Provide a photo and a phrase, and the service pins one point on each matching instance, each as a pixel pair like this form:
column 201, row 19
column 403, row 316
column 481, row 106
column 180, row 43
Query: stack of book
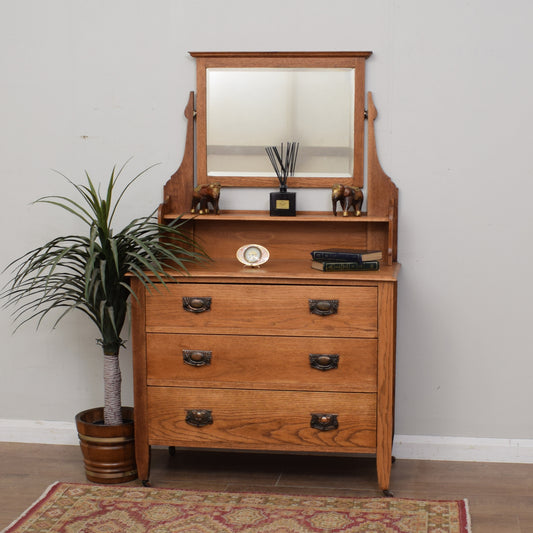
column 335, row 259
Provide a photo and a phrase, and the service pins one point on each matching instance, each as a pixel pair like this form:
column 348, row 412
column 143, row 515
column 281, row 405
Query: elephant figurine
column 337, row 195
column 203, row 195
column 347, row 197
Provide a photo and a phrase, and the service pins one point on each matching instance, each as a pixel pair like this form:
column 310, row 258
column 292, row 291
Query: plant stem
column 112, row 391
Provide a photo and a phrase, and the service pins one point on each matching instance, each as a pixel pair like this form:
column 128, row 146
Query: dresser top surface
column 284, row 271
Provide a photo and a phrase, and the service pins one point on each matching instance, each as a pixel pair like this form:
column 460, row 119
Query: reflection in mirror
column 251, row 108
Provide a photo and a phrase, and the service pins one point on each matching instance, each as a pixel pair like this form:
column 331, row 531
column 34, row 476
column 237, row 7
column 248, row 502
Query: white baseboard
column 405, row 446
column 38, row 431
column 463, row 449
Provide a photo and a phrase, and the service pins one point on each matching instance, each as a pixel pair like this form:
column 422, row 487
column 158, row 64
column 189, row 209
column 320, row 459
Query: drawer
column 298, row 363
column 262, row 420
column 264, row 310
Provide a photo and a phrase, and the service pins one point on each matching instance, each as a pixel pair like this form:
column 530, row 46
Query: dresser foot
column 393, row 459
column 388, row 494
column 146, row 483
column 172, row 450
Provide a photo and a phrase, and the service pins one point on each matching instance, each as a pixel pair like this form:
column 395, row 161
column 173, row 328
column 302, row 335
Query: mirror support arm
column 178, row 189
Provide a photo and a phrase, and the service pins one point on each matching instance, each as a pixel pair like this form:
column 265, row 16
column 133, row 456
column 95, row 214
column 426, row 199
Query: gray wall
column 86, row 85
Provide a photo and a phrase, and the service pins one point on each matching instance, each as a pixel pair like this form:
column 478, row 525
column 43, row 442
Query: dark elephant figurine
column 348, row 197
column 203, row 195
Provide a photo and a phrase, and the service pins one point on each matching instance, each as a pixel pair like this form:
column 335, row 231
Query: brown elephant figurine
column 203, row 195
column 337, row 195
column 348, row 197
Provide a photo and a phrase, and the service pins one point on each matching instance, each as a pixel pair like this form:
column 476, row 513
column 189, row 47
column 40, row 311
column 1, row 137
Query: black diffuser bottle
column 283, row 203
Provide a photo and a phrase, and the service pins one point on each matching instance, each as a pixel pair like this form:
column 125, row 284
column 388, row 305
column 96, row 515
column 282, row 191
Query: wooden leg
column 385, row 400
column 142, row 456
column 383, row 465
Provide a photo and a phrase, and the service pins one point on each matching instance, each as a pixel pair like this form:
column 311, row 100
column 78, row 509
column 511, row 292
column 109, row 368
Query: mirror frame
column 354, row 60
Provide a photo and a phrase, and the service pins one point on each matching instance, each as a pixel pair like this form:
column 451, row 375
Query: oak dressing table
column 282, row 358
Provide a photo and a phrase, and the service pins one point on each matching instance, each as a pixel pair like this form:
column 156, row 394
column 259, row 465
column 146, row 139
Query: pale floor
column 500, row 495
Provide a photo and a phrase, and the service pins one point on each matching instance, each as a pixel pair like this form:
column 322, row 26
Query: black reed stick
column 283, row 162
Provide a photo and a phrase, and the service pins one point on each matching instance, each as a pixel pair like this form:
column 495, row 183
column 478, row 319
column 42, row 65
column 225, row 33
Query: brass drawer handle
column 198, row 417
column 322, row 361
column 196, row 304
column 196, row 357
column 323, row 307
column 324, row 421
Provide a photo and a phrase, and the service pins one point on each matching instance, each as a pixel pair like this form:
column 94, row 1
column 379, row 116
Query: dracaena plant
column 92, row 272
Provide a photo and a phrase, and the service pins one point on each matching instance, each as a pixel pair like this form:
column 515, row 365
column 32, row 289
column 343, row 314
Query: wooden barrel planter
column 108, row 451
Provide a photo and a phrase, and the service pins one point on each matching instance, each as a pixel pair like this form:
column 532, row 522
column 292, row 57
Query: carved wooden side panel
column 382, row 193
column 177, row 192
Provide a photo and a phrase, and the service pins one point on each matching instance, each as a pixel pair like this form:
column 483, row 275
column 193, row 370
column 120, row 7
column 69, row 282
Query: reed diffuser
column 283, row 161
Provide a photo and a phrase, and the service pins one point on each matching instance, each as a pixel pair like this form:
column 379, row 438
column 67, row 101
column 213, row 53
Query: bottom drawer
column 262, row 420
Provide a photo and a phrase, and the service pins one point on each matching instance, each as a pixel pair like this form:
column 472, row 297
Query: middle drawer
column 298, row 363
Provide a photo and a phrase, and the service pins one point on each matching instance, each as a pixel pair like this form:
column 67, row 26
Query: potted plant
column 91, row 273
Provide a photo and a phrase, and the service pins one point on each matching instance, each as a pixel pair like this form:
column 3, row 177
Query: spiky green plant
column 92, row 272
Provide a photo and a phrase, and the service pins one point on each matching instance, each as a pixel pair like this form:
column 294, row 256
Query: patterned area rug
column 70, row 508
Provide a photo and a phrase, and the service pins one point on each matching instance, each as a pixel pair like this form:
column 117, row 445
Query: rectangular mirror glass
column 249, row 109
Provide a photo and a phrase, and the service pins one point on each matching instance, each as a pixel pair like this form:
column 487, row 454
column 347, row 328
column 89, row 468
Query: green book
column 332, row 266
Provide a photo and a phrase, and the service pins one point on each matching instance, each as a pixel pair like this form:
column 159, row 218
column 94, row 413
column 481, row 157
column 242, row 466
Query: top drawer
column 341, row 311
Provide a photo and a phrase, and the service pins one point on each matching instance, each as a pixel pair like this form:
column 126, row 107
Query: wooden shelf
column 263, row 216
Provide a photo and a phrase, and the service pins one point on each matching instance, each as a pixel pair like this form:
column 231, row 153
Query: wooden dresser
column 278, row 358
